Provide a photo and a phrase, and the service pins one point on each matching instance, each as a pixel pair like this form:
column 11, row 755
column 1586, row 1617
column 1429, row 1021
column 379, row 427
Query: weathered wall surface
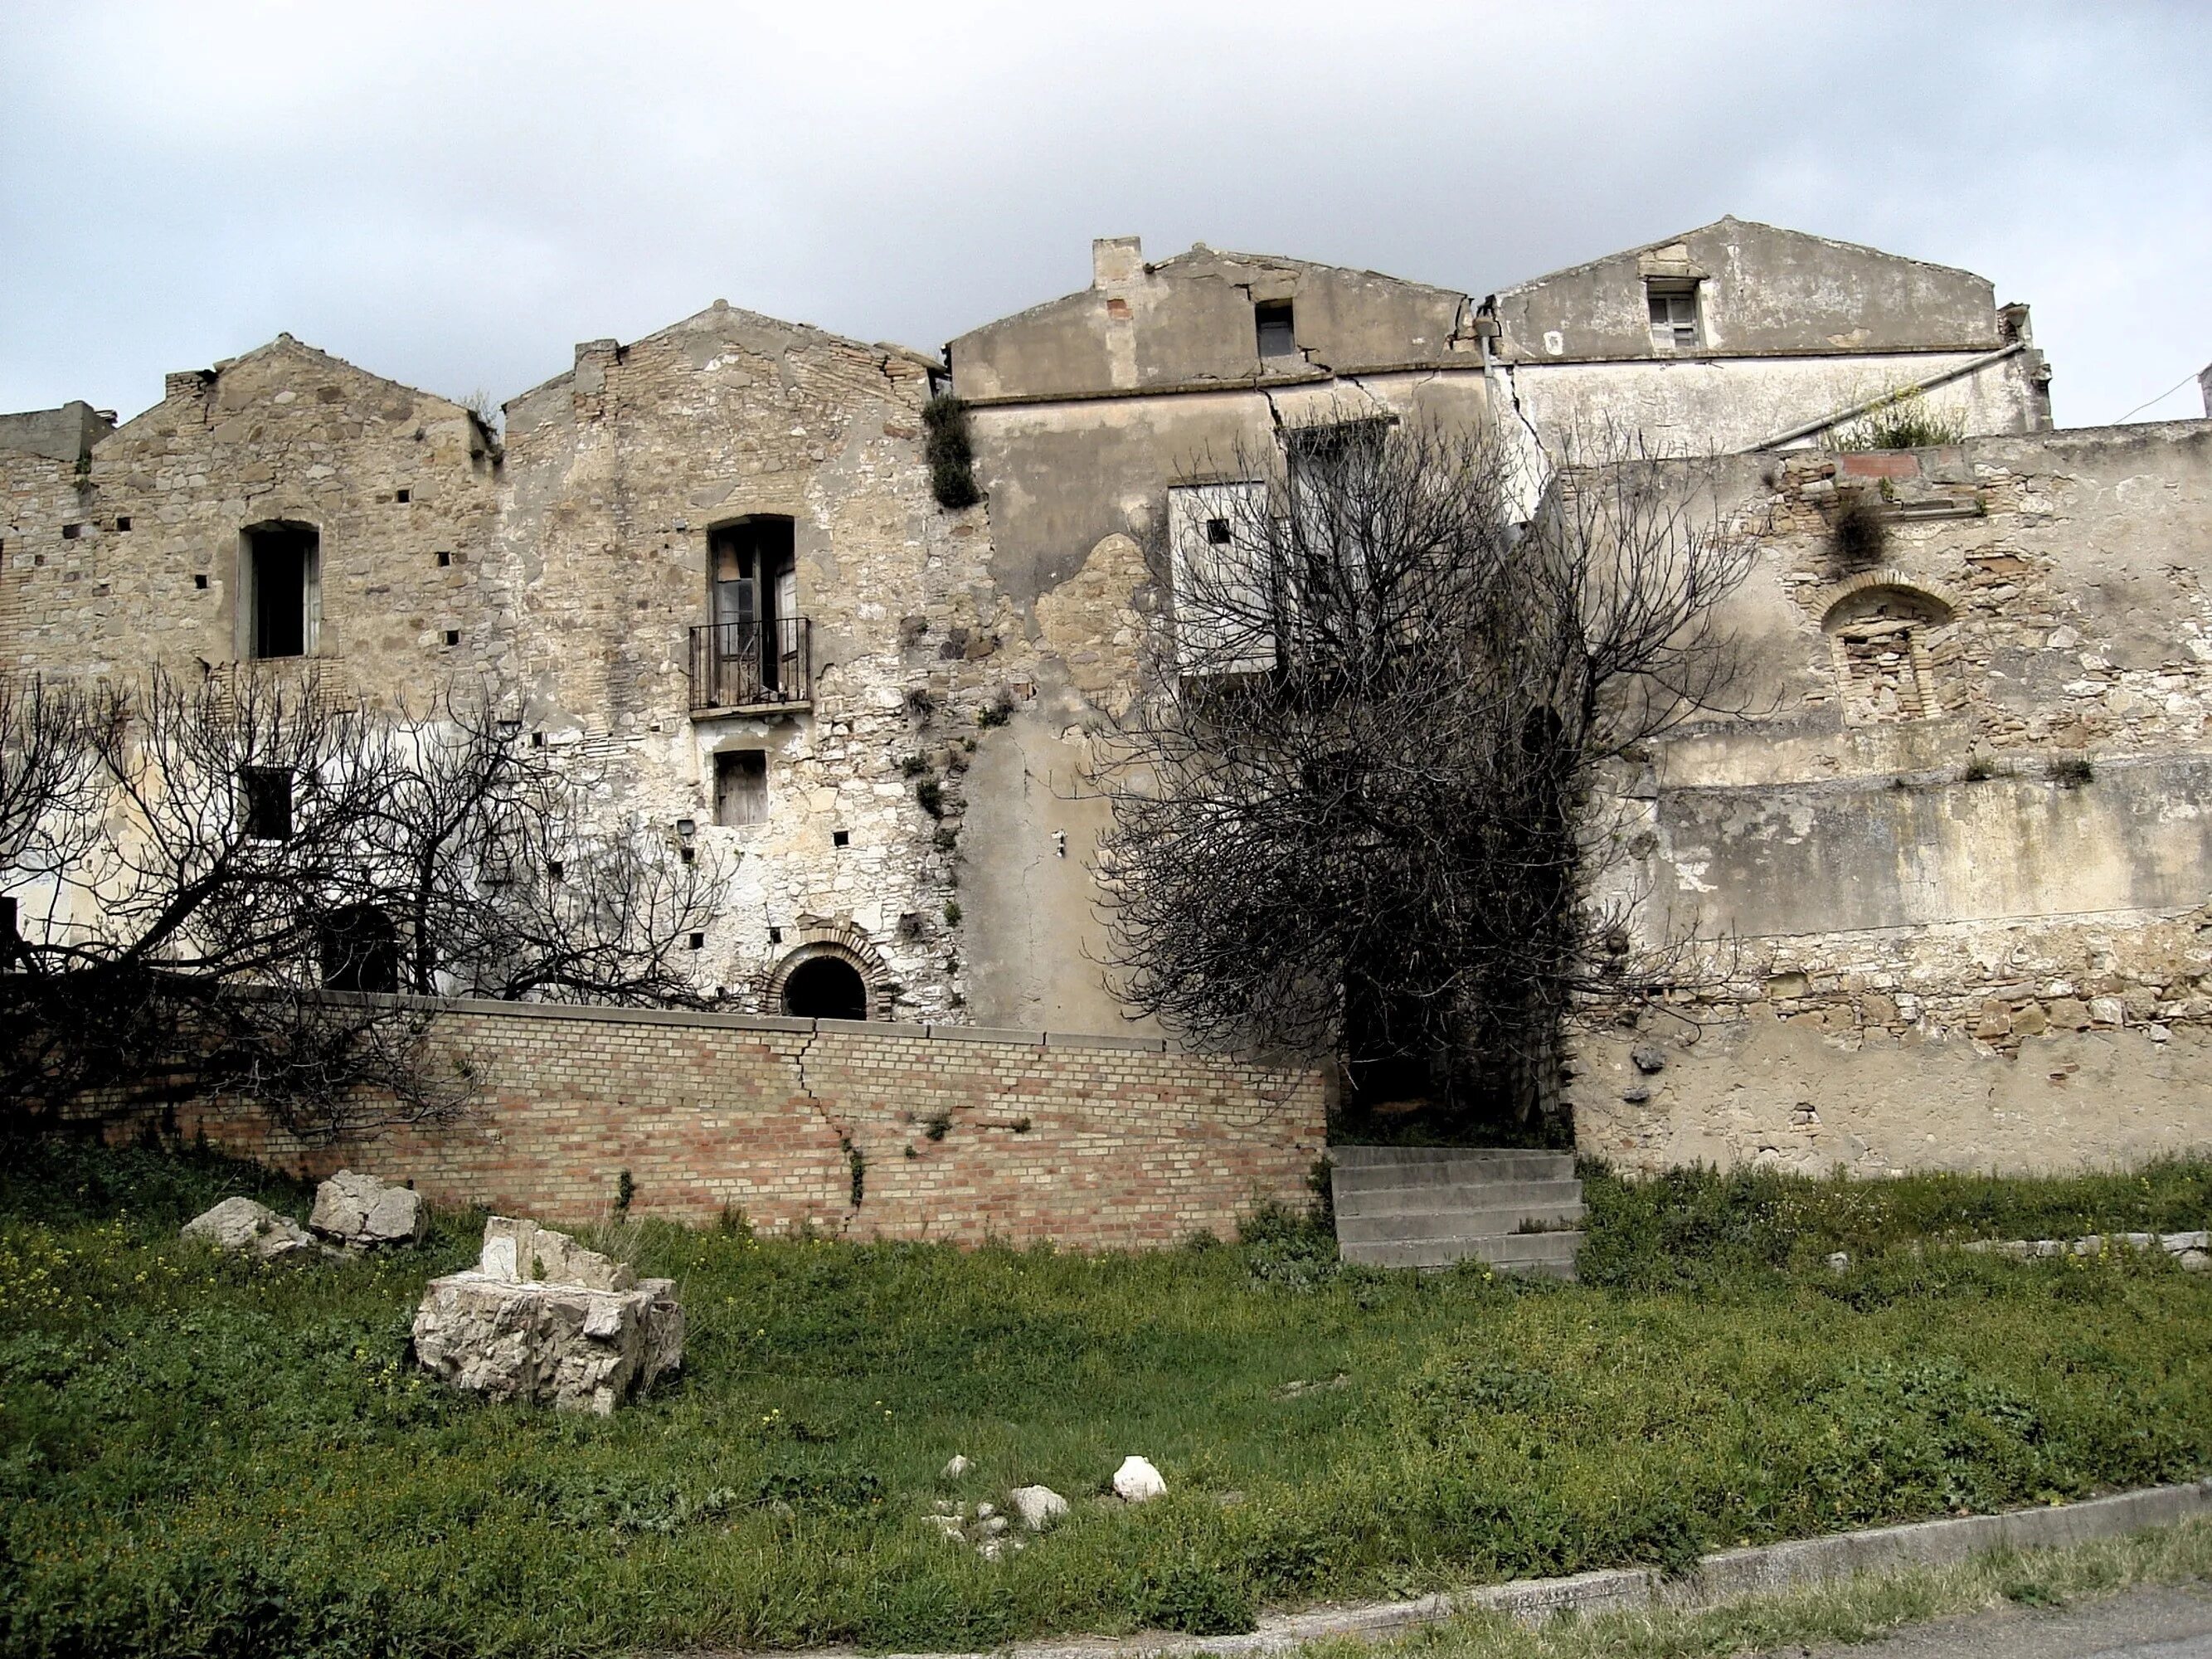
column 135, row 558
column 616, row 474
column 1977, row 914
column 870, row 1131
column 1762, row 289
column 1797, row 1092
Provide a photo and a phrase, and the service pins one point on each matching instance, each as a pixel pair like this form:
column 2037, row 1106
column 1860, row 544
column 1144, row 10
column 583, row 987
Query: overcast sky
column 453, row 194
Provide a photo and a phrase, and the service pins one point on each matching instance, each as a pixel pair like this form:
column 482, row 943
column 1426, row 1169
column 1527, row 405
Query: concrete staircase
column 1430, row 1207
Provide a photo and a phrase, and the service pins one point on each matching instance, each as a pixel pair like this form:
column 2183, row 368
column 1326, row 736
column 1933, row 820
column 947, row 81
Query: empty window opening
column 1217, row 532
column 698, row 941
column 453, row 636
column 776, row 936
column 199, row 579
column 281, row 590
column 359, row 950
column 555, row 869
column 402, row 497
column 754, row 602
column 1278, row 334
column 537, row 739
column 123, row 521
column 840, row 837
column 444, row 560
column 71, row 532
column 265, row 802
column 741, row 787
column 825, row 987
column 1673, row 315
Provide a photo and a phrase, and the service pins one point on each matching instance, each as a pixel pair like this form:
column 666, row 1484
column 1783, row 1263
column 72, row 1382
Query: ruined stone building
column 710, row 562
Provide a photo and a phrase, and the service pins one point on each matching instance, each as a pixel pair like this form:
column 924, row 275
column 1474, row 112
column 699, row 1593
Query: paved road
column 2146, row 1623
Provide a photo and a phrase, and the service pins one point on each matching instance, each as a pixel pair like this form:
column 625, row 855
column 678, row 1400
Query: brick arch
column 1851, row 587
column 848, row 943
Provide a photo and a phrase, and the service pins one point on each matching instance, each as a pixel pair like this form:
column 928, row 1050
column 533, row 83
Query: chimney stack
column 1116, row 261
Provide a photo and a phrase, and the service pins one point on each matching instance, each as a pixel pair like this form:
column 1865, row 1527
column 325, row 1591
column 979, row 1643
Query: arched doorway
column 825, row 987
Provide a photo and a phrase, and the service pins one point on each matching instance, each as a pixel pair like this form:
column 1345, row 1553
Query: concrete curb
column 1720, row 1577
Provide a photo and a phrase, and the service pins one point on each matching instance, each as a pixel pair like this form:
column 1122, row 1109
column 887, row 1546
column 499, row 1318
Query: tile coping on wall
column 1725, row 1577
column 1024, row 1038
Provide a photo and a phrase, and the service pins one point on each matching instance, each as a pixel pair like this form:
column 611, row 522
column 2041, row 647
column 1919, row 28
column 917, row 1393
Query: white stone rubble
column 514, row 1328
column 360, row 1212
column 1038, row 1506
column 251, row 1228
column 1138, row 1482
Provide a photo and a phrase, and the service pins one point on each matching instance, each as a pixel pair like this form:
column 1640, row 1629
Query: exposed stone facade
column 1998, row 897
column 1970, row 815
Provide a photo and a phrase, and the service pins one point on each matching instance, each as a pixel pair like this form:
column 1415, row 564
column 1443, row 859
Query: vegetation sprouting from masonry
column 1362, row 817
column 193, row 867
column 951, row 451
column 202, row 1457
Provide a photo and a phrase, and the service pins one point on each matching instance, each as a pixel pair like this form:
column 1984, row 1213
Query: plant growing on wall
column 1901, row 419
column 1363, row 812
column 951, row 451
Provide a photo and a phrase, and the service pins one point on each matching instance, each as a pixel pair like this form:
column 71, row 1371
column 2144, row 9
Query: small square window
column 265, row 802
column 1278, row 332
column 1217, row 532
column 776, row 936
column 554, row 870
column 402, row 497
column 741, row 787
column 199, row 579
column 123, row 521
column 840, row 837
column 444, row 559
column 1673, row 315
column 453, row 636
column 537, row 739
column 71, row 532
column 698, row 941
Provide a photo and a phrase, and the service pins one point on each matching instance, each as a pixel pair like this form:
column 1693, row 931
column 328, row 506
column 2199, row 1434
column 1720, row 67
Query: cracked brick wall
column 958, row 1134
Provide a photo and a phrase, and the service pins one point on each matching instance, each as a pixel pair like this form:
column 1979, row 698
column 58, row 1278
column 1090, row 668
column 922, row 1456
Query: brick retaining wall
column 1093, row 1141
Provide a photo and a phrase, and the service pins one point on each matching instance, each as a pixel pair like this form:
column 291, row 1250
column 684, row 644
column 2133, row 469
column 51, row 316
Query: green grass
column 1863, row 1609
column 198, row 1455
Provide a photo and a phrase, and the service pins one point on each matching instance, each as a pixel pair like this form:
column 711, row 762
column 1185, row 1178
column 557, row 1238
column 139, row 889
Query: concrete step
column 1454, row 1172
column 1547, row 1255
column 1535, row 1195
column 1413, row 1226
column 1554, row 1165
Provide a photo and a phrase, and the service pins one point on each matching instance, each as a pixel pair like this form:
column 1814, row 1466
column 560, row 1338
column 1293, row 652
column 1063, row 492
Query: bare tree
column 508, row 876
column 222, row 868
column 1363, row 813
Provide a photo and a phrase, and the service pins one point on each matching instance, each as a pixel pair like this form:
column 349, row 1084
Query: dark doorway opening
column 755, row 605
column 825, row 987
column 280, row 561
column 360, row 949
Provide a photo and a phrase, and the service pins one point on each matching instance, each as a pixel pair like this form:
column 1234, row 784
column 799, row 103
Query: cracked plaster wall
column 1975, row 939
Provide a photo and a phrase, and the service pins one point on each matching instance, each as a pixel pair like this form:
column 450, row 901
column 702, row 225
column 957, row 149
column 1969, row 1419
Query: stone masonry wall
column 867, row 1130
column 1977, row 937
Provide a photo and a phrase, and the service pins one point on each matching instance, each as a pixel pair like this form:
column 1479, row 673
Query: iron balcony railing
column 751, row 664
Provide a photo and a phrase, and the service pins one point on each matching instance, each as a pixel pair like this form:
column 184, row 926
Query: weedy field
column 202, row 1457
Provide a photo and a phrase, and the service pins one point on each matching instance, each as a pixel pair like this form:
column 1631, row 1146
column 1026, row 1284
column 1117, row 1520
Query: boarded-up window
column 1673, row 315
column 741, row 787
column 1223, row 609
